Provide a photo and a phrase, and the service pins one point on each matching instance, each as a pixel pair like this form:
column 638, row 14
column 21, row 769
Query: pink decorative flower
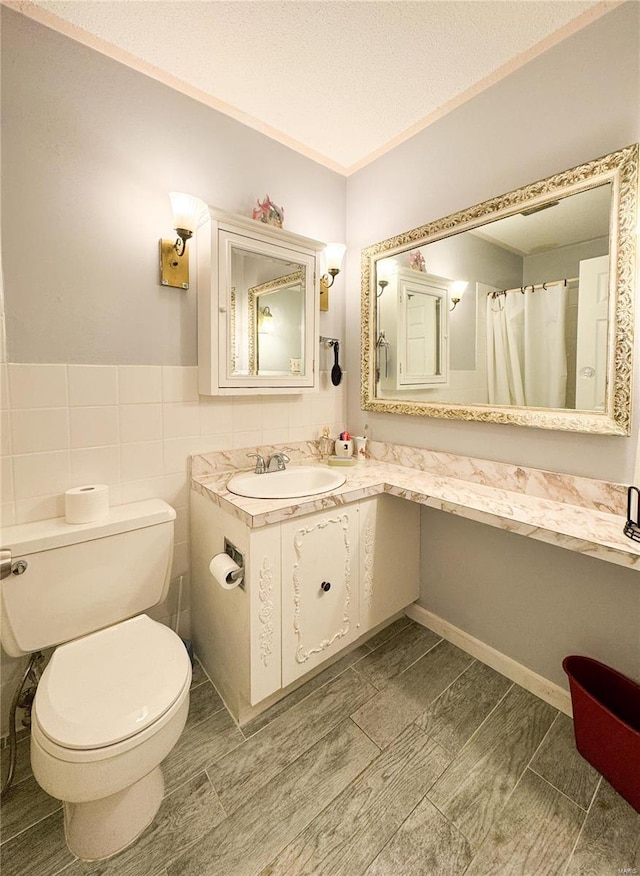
column 266, row 211
column 416, row 261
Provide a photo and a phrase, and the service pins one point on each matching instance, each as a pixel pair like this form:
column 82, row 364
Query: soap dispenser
column 326, row 444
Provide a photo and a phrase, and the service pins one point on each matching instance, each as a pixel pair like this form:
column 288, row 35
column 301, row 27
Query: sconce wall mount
column 174, row 265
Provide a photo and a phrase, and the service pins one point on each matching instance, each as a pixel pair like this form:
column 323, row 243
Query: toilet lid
column 110, row 685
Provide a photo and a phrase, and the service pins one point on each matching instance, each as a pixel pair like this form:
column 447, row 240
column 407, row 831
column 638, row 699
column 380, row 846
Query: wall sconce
column 457, row 290
column 386, row 270
column 334, row 253
column 174, row 261
column 265, row 321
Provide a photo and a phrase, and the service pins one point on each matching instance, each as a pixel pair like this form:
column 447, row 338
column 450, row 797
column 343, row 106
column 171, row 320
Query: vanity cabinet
column 255, row 642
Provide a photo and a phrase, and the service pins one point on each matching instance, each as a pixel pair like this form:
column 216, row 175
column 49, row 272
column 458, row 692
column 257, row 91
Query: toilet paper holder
column 238, row 558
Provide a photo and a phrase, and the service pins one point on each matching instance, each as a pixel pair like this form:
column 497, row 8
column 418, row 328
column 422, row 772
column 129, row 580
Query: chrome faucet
column 277, row 462
column 261, row 465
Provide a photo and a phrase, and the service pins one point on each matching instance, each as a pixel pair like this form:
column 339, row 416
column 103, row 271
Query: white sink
column 288, row 484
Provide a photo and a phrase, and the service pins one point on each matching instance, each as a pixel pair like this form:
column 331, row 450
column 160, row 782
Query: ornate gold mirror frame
column 621, row 170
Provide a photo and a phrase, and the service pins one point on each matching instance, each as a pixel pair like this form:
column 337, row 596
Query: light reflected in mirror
column 267, row 323
column 534, row 320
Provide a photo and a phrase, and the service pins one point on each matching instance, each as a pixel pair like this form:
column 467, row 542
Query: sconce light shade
column 188, row 212
column 386, row 270
column 265, row 321
column 333, row 255
column 457, row 289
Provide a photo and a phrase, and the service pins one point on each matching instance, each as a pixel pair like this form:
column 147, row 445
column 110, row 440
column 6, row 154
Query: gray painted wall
column 530, row 600
column 577, row 101
column 90, row 149
column 563, row 262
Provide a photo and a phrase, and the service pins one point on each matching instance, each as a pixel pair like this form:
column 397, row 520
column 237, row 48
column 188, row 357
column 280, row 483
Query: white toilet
column 114, row 698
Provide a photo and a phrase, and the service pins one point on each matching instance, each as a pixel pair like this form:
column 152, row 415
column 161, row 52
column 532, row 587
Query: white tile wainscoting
column 132, row 427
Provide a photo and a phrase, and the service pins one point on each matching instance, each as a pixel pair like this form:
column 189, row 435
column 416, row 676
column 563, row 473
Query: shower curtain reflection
column 526, row 347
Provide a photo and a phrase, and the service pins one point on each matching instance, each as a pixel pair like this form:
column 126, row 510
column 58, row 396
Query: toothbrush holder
column 361, row 448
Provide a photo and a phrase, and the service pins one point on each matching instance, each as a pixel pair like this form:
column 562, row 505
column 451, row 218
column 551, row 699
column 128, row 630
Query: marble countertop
column 586, row 530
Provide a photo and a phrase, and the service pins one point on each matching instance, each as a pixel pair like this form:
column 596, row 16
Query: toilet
column 114, row 697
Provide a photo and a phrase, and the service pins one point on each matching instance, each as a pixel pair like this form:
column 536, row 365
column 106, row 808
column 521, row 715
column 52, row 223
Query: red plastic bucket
column 606, row 720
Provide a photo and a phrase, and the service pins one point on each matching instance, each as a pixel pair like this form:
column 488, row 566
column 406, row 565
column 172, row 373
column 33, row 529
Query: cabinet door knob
column 326, row 586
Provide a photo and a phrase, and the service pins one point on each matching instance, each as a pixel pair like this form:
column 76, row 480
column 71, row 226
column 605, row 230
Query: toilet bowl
column 114, row 698
column 109, row 708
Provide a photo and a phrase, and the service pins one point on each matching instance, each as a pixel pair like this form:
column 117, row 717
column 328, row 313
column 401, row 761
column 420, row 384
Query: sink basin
column 288, row 484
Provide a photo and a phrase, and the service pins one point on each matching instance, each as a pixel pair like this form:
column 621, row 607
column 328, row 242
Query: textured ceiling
column 341, row 81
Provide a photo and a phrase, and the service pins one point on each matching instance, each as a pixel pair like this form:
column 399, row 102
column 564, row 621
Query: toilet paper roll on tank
column 226, row 572
column 86, row 504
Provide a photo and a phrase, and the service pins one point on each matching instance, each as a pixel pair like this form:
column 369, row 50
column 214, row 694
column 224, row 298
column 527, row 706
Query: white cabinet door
column 389, row 558
column 320, row 604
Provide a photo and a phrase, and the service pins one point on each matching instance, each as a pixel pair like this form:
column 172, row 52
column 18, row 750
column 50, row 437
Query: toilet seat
column 108, row 691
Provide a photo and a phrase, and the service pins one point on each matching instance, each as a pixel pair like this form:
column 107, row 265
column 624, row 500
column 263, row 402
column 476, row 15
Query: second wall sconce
column 265, row 321
column 457, row 289
column 174, row 258
column 386, row 270
column 334, row 253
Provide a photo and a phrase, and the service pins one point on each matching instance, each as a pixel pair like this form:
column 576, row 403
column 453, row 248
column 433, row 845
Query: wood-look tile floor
column 406, row 758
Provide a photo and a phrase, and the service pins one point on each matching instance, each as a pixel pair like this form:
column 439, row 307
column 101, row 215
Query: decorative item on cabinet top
column 267, row 212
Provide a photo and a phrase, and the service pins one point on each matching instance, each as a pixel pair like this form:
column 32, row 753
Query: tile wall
column 132, row 427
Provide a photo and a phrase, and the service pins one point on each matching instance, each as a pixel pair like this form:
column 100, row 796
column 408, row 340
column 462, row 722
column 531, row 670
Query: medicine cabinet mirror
column 257, row 307
column 517, row 310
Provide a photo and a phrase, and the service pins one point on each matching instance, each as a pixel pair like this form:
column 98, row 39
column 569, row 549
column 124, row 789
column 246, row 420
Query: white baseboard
column 528, row 679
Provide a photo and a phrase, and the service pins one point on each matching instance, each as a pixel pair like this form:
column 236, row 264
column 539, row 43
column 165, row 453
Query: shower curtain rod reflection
column 533, row 286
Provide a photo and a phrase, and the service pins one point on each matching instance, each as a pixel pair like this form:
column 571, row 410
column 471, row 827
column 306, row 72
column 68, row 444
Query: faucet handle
column 261, row 465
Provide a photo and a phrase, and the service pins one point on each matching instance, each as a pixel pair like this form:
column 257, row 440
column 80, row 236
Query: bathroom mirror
column 534, row 324
column 257, row 307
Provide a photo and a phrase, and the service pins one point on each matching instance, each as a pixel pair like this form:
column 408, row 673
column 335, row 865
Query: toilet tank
column 80, row 578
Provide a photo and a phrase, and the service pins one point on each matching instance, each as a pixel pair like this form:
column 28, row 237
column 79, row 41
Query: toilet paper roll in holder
column 238, row 558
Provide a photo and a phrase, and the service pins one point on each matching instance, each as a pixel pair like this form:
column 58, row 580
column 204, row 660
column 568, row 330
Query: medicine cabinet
column 258, row 289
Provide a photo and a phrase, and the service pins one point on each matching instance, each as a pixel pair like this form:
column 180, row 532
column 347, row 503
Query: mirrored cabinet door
column 257, row 308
